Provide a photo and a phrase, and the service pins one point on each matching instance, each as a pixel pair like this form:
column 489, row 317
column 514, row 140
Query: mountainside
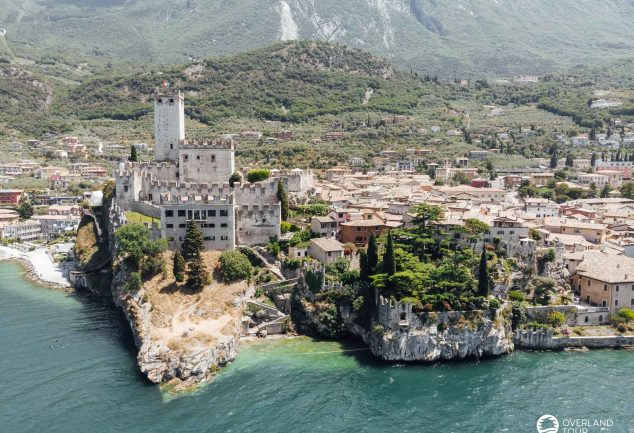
column 467, row 38
column 291, row 81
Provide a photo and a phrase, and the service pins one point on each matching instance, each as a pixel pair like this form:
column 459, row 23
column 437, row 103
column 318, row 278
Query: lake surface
column 69, row 366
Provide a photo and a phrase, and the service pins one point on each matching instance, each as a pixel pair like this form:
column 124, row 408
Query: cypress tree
column 483, row 275
column 282, row 196
column 179, row 267
column 133, row 155
column 194, row 244
column 364, row 269
column 197, row 274
column 553, row 160
column 389, row 261
column 593, row 160
column 373, row 255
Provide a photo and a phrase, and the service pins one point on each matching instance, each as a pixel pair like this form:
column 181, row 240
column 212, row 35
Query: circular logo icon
column 547, row 424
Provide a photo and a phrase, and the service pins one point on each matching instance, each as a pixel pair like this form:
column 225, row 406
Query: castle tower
column 169, row 125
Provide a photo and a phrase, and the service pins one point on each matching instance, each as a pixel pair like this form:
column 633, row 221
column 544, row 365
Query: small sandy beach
column 41, row 266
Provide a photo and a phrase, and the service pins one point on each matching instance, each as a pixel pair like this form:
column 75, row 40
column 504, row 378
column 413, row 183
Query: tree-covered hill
column 289, row 81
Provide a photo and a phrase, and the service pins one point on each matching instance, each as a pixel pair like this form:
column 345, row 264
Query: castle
column 189, row 181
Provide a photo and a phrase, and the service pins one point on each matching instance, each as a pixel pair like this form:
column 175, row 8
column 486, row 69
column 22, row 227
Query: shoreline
column 31, row 275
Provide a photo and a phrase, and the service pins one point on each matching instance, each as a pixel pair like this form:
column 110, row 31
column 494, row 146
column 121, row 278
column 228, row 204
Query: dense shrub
column 556, row 319
column 134, row 282
column 258, row 175
column 516, row 296
column 234, row 266
column 627, row 314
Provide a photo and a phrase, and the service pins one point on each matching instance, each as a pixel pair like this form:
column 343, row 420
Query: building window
column 170, row 226
column 211, row 225
column 185, row 157
column 604, row 303
column 197, row 156
column 616, row 288
column 170, row 239
column 605, row 287
column 211, row 213
column 169, row 213
column 207, row 238
column 586, row 319
column 616, row 302
column 182, row 226
column 223, row 225
column 224, row 213
column 182, row 213
column 213, row 157
column 224, row 238
column 588, row 283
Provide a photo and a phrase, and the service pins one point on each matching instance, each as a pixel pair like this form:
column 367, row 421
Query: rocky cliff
column 182, row 338
column 397, row 331
column 443, row 338
column 188, row 359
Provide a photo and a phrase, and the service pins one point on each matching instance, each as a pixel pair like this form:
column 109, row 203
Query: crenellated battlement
column 188, row 199
column 208, row 144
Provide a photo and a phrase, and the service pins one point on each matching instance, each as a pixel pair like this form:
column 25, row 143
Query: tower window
column 171, row 146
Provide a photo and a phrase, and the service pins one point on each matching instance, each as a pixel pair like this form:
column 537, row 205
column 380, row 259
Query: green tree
column 197, row 274
column 554, row 159
column 425, row 215
column 109, row 189
column 389, row 261
column 258, row 175
column 605, row 192
column 282, row 196
column 179, row 267
column 139, row 250
column 364, row 269
column 569, row 160
column 373, row 255
column 627, row 190
column 234, row 266
column 483, row 275
column 593, row 160
column 133, row 154
column 194, row 243
column 235, row 177
column 25, row 208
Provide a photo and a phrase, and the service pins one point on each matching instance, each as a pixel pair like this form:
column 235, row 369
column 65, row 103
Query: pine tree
column 364, row 270
column 389, row 261
column 25, row 208
column 179, row 267
column 593, row 160
column 194, row 244
column 483, row 275
column 282, row 196
column 569, row 160
column 605, row 192
column 133, row 155
column 197, row 274
column 373, row 255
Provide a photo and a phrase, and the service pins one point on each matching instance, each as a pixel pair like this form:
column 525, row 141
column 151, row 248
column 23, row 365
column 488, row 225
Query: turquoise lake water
column 69, row 366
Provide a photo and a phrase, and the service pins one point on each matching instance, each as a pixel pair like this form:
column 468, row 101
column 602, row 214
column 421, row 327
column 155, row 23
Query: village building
column 326, row 250
column 605, row 280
